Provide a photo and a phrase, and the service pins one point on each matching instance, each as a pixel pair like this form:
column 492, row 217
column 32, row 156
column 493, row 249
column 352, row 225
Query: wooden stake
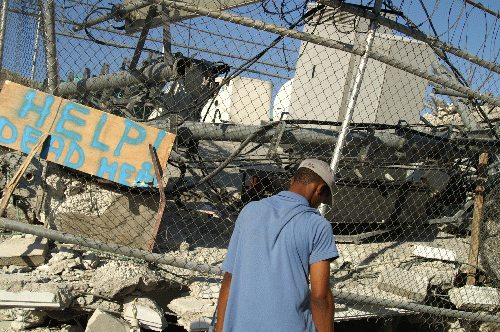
column 163, row 200
column 476, row 219
column 9, row 189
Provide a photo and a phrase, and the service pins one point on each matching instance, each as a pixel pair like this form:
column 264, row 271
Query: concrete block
column 435, row 253
column 34, row 295
column 101, row 321
column 189, row 305
column 29, row 251
column 475, row 298
column 404, row 283
column 147, row 312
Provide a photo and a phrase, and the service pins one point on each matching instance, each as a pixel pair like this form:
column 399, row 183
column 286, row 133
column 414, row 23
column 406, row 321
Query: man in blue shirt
column 276, row 245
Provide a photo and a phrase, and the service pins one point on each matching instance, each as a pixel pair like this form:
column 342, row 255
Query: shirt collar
column 296, row 197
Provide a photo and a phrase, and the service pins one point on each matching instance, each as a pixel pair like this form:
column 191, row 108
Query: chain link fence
column 250, row 89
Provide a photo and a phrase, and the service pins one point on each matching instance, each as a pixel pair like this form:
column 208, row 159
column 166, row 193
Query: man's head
column 314, row 181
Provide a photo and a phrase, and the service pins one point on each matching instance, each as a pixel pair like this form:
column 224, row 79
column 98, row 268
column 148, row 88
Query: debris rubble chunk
column 404, row 283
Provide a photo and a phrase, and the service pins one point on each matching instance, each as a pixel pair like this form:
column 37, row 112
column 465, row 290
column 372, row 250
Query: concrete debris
column 190, row 309
column 29, row 250
column 102, row 321
column 444, row 280
column 404, row 283
column 435, row 253
column 35, row 295
column 475, row 298
column 148, row 314
column 205, row 288
column 27, row 318
column 136, row 276
column 90, row 260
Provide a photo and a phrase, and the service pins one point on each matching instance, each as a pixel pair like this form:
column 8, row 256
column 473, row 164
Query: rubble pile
column 69, row 283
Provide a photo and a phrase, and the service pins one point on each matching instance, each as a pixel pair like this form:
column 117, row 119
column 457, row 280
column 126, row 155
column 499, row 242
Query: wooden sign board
column 81, row 137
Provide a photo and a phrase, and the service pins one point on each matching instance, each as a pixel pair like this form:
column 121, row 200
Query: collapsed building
column 142, row 255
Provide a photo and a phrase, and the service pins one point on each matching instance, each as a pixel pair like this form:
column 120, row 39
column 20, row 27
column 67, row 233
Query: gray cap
column 323, row 170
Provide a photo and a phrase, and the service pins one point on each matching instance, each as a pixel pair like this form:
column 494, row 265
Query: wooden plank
column 476, row 219
column 81, row 137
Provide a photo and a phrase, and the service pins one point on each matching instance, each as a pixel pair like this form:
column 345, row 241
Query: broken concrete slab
column 404, row 283
column 475, row 298
column 108, row 279
column 27, row 318
column 35, row 295
column 26, row 251
column 101, row 321
column 189, row 309
column 146, row 311
column 435, row 253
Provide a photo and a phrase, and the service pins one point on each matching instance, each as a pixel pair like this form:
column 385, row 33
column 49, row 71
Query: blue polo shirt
column 273, row 243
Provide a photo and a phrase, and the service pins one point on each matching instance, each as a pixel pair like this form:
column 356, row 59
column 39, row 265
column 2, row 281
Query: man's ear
column 292, row 180
column 319, row 188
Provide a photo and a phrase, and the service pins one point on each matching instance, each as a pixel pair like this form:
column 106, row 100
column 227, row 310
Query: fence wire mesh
column 248, row 102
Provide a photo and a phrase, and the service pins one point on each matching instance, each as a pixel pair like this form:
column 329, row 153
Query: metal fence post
column 50, row 45
column 353, row 97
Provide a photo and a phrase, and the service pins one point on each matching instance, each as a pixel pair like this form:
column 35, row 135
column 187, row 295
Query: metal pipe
column 35, row 51
column 260, row 25
column 3, row 27
column 113, row 14
column 300, row 136
column 337, row 154
column 50, row 46
column 462, row 109
column 154, row 73
column 107, row 247
column 431, row 41
column 448, row 92
column 415, row 307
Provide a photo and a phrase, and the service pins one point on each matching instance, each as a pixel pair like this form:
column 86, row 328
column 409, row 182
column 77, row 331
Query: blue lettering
column 127, row 139
column 4, row 122
column 28, row 138
column 125, row 173
column 95, row 140
column 144, row 176
column 159, row 139
column 105, row 168
column 73, row 147
column 66, row 116
column 28, row 106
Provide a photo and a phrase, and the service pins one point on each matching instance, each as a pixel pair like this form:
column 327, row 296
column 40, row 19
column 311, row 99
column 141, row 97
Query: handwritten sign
column 81, row 137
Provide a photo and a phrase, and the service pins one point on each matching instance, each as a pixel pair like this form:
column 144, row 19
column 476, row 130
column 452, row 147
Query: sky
column 462, row 25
